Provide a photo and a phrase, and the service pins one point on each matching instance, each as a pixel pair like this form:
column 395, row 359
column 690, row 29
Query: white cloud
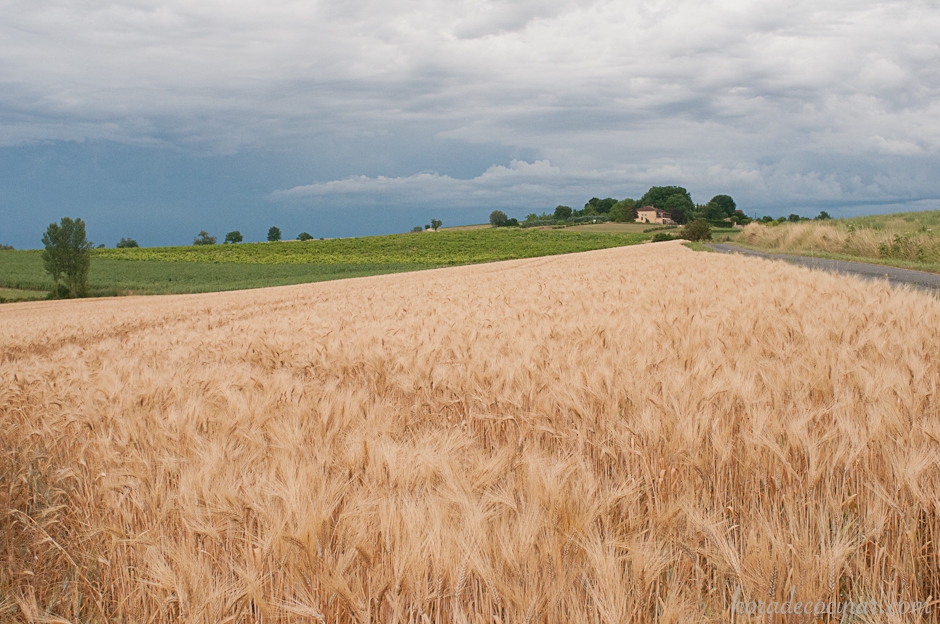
column 498, row 185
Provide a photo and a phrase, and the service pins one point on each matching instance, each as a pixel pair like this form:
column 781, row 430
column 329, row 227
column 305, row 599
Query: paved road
column 919, row 279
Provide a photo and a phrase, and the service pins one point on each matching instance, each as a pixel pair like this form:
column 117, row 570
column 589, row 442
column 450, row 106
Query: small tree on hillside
column 303, row 236
column 203, row 238
column 233, row 238
column 417, row 229
column 498, row 218
column 67, row 255
column 436, row 224
column 274, row 234
column 127, row 243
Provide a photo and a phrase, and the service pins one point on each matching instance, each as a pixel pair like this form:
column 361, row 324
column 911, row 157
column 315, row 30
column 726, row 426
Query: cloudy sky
column 156, row 119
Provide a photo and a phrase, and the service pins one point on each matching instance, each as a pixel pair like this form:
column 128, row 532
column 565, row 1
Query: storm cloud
column 815, row 104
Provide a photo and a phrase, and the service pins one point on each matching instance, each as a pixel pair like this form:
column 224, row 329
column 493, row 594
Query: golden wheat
column 624, row 435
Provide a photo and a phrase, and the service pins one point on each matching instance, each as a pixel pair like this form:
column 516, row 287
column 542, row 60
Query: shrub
column 6, row 247
column 660, row 237
column 303, row 236
column 417, row 229
column 698, row 230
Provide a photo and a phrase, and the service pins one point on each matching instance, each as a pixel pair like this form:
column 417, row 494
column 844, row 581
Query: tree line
column 675, row 200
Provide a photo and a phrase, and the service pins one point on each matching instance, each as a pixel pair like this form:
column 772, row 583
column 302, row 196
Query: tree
column 512, row 222
column 726, row 204
column 624, row 210
column 303, row 236
column 598, row 206
column 823, row 215
column 714, row 212
column 498, row 218
column 697, row 230
column 417, row 229
column 793, row 218
column 204, row 239
column 562, row 213
column 233, row 238
column 678, row 205
column 67, row 255
column 274, row 234
column 657, row 196
column 436, row 224
column 126, row 243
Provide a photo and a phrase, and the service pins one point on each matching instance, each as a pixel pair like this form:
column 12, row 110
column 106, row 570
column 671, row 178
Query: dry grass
column 562, row 439
column 843, row 238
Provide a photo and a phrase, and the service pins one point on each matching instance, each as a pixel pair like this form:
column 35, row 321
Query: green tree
column 697, row 230
column 714, row 212
column 793, row 218
column 67, row 255
column 304, row 236
column 417, row 229
column 657, row 196
column 203, row 238
column 233, row 238
column 436, row 224
column 823, row 215
column 624, row 210
column 127, row 243
column 498, row 218
column 678, row 205
column 274, row 234
column 726, row 204
column 598, row 206
column 562, row 213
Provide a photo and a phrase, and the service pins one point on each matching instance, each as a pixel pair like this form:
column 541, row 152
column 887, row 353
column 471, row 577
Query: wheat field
column 628, row 435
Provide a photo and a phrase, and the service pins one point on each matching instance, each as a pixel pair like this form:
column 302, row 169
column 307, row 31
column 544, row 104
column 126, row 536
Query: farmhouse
column 649, row 214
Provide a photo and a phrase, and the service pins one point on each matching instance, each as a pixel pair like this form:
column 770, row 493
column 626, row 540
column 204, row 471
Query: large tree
column 67, row 255
column 599, row 206
column 678, row 206
column 726, row 204
column 624, row 210
column 274, row 234
column 498, row 218
column 657, row 196
column 562, row 213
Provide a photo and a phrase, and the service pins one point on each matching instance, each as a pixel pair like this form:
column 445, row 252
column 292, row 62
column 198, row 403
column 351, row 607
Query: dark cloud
column 841, row 97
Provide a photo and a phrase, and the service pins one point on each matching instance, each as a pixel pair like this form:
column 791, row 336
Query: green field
column 166, row 270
